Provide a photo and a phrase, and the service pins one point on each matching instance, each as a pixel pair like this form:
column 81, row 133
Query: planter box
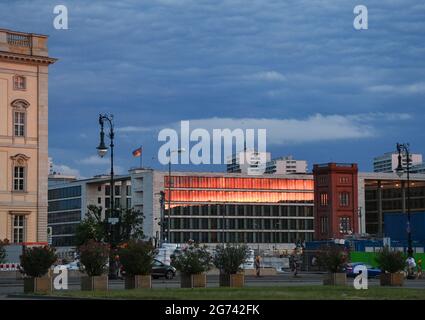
column 335, row 279
column 391, row 279
column 194, row 280
column 232, row 280
column 139, row 281
column 38, row 285
column 94, row 283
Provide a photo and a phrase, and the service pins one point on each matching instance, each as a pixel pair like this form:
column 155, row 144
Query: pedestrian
column 411, row 265
column 419, row 267
column 257, row 266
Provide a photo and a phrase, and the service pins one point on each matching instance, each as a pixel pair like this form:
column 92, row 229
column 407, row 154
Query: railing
column 16, row 39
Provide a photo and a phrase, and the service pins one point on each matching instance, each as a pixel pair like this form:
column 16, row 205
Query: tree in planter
column 35, row 264
column 334, row 259
column 94, row 260
column 137, row 259
column 192, row 263
column 391, row 264
column 94, row 227
column 229, row 260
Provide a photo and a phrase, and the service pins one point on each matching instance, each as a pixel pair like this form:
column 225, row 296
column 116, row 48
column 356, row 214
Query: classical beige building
column 24, row 63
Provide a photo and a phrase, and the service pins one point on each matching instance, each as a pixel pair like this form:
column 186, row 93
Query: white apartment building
column 388, row 162
column 248, row 162
column 286, row 165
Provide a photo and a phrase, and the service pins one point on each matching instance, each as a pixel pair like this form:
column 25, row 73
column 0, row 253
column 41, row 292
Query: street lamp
column 169, row 192
column 404, row 148
column 102, row 149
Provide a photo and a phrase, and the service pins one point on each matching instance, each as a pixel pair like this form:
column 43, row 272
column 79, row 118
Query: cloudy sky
column 325, row 91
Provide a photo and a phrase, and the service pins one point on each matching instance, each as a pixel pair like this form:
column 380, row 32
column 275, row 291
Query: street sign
column 113, row 220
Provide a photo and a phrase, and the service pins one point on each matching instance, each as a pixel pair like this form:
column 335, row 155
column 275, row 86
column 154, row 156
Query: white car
column 74, row 265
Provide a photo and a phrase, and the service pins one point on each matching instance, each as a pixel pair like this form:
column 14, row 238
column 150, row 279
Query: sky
column 323, row 90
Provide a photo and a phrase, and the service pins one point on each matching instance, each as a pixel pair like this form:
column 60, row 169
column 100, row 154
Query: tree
column 36, row 261
column 95, row 227
column 229, row 259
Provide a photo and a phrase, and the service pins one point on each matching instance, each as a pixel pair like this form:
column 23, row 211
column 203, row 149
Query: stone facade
column 24, row 65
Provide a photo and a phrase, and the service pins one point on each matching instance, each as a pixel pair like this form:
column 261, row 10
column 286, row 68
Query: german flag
column 137, row 152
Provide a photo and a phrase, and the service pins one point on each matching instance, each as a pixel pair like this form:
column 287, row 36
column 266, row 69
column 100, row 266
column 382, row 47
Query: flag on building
column 137, row 152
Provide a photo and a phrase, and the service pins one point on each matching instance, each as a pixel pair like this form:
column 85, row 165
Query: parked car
column 160, row 269
column 74, row 265
column 371, row 271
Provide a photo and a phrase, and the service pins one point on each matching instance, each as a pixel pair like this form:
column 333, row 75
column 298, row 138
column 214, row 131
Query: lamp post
column 169, row 192
column 102, row 149
column 404, row 148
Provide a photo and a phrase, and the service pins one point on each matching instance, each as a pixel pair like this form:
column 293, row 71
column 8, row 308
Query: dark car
column 371, row 271
column 160, row 269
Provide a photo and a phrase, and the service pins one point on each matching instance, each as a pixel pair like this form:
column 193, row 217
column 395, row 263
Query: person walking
column 419, row 269
column 257, row 266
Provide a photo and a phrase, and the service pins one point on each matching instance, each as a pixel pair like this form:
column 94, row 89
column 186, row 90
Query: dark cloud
column 156, row 62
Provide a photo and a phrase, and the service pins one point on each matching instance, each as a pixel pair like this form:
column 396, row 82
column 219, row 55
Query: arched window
column 19, row 83
column 19, row 117
column 19, row 172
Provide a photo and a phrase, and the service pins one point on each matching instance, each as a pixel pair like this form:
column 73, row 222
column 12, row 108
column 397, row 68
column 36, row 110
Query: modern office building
column 24, row 63
column 265, row 211
column 387, row 193
column 210, row 208
column 68, row 202
column 388, row 162
column 286, row 165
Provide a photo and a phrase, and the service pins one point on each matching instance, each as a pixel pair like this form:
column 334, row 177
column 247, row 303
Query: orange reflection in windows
column 239, row 183
column 233, row 189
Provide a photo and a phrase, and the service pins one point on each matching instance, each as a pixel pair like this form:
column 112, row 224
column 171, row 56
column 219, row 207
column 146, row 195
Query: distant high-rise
column 388, row 162
column 252, row 162
column 286, row 165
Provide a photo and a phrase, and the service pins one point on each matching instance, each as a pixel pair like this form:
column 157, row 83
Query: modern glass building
column 212, row 208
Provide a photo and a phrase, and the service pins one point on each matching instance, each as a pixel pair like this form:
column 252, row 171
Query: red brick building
column 335, row 200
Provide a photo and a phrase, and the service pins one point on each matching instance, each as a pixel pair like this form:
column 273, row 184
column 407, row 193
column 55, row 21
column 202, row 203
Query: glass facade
column 64, row 214
column 390, row 196
column 246, row 210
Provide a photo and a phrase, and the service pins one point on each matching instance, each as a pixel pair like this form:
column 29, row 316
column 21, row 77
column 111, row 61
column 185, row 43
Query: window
column 117, row 190
column 323, row 199
column 324, row 224
column 19, row 178
column 345, row 225
column 18, row 229
column 19, row 83
column 344, row 199
column 19, row 123
column 99, row 200
column 99, row 188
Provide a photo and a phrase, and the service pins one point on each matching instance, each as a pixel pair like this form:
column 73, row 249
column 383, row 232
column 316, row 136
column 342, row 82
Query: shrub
column 229, row 259
column 390, row 261
column 333, row 258
column 3, row 250
column 94, row 257
column 192, row 260
column 137, row 258
column 36, row 261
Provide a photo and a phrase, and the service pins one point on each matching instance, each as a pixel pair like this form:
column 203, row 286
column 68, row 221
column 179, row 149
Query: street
column 11, row 286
